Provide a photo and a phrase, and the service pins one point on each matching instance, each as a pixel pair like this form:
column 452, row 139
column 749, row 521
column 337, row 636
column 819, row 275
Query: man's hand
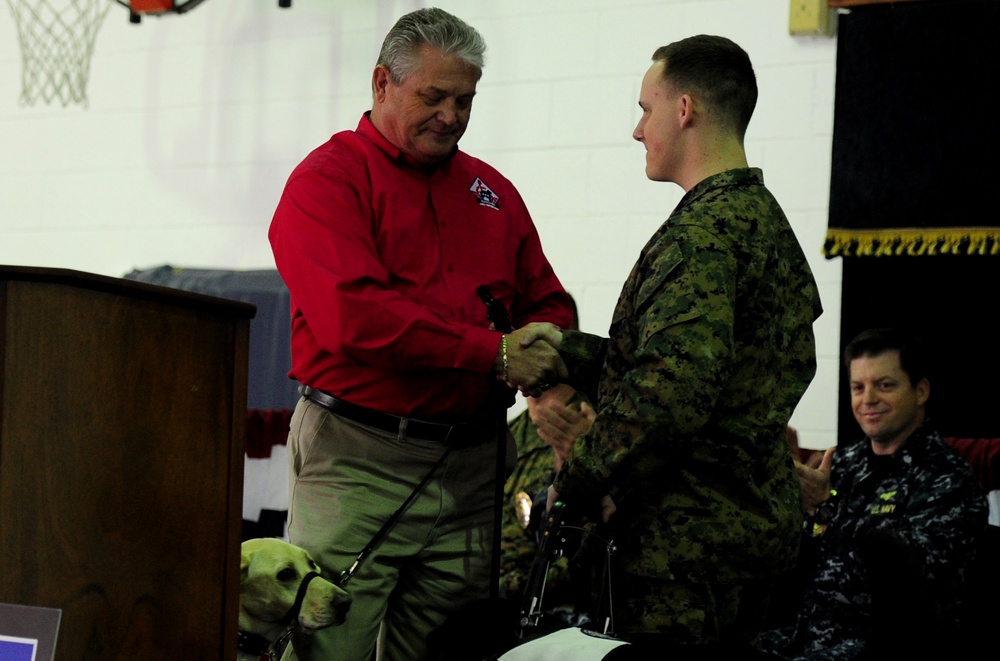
column 560, row 420
column 608, row 508
column 810, row 458
column 815, row 482
column 532, row 362
column 551, row 497
column 540, row 331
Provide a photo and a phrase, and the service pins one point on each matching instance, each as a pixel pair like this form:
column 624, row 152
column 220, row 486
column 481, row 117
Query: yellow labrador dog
column 280, row 588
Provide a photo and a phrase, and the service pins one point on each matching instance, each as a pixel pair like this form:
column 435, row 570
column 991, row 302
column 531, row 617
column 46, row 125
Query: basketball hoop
column 57, row 41
column 139, row 8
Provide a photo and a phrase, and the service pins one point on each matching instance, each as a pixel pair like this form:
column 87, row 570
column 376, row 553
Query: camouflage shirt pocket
column 665, row 295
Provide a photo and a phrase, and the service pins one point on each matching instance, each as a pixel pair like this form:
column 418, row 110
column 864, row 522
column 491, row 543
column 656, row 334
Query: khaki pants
column 346, row 481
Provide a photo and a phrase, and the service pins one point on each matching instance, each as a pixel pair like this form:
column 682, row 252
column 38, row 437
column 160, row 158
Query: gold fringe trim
column 922, row 241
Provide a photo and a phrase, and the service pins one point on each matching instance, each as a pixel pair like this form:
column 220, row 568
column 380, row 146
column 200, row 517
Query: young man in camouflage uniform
column 893, row 520
column 711, row 348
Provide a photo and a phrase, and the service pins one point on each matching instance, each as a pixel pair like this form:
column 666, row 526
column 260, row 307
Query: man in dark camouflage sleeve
column 538, row 460
column 893, row 520
column 711, row 347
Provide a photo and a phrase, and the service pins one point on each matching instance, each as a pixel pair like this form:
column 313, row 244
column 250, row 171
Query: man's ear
column 923, row 389
column 685, row 110
column 380, row 81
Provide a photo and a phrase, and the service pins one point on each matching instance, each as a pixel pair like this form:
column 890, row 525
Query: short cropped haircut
column 718, row 72
column 434, row 27
column 913, row 357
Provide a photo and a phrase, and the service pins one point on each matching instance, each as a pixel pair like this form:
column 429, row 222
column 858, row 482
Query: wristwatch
column 825, row 510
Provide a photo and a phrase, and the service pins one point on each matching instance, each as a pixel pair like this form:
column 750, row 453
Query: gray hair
column 434, row 27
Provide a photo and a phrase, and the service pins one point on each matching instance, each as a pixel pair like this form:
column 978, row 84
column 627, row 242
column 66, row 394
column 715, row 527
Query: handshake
column 528, row 359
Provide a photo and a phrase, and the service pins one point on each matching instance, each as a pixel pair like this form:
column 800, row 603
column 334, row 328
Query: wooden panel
column 121, row 470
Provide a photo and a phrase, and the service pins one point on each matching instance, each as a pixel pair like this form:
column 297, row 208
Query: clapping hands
column 813, row 468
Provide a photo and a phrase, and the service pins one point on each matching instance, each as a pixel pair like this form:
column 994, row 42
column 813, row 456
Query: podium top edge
column 128, row 288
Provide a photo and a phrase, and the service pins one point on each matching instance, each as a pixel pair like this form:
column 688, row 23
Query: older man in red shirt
column 384, row 235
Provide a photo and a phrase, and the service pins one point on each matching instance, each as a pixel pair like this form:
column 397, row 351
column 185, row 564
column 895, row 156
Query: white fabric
column 265, row 483
column 993, row 498
column 575, row 644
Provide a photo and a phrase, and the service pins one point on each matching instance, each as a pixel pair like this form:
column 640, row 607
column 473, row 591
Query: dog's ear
column 244, row 565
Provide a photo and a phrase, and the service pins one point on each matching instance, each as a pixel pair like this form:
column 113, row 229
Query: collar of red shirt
column 367, row 129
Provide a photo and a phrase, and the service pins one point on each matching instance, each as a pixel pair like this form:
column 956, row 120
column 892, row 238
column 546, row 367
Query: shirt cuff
column 580, row 345
column 481, row 350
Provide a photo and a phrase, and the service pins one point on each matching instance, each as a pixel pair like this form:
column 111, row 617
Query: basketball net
column 57, row 40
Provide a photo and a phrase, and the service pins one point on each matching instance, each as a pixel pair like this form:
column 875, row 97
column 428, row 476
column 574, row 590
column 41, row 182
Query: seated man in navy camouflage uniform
column 892, row 519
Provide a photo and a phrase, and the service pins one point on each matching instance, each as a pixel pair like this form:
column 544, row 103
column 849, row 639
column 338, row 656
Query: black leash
column 497, row 313
column 346, row 575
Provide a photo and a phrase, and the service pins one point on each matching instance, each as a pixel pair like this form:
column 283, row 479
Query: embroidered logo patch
column 484, row 195
column 887, row 507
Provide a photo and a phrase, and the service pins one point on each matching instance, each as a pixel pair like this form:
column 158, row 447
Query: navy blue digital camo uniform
column 921, row 506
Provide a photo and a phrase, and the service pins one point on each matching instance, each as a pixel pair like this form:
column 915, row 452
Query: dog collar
column 252, row 643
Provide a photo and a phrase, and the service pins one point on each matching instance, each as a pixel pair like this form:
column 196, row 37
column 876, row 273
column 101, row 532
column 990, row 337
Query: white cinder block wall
column 196, row 120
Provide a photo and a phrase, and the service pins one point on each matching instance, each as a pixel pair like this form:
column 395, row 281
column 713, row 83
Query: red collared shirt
column 383, row 261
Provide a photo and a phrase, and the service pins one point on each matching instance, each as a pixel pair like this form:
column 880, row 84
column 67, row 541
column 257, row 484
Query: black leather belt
column 466, row 434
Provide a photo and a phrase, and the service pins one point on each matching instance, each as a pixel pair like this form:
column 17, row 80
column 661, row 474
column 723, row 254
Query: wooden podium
column 122, row 413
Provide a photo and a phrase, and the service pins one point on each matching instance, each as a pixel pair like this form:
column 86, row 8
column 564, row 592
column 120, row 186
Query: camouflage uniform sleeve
column 518, row 549
column 584, row 356
column 680, row 324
